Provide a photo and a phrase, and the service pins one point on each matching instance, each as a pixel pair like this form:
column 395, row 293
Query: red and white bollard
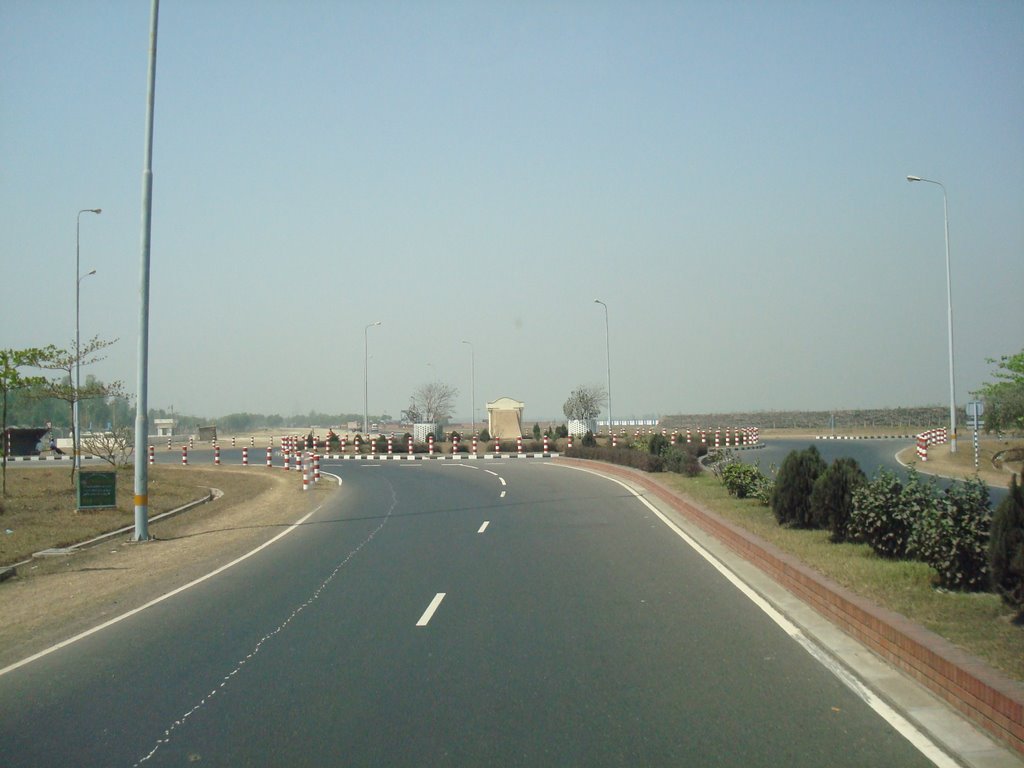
column 184, row 455
column 232, row 441
column 344, row 440
column 168, row 443
column 355, row 445
column 519, row 445
column 410, row 445
column 474, row 445
column 497, row 447
column 152, row 455
column 216, row 455
column 569, row 444
column 546, row 450
column 689, row 437
column 305, row 478
column 390, row 447
column 718, row 439
column 455, row 444
column 191, row 442
column 245, row 456
column 287, row 459
column 615, row 440
column 316, row 467
column 270, row 456
column 252, row 441
column 430, row 444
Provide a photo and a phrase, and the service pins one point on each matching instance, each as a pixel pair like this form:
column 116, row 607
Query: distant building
column 505, row 418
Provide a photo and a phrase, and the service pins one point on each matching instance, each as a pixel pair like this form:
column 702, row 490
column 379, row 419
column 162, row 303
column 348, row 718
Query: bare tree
column 114, row 446
column 66, row 361
column 585, row 403
column 432, row 403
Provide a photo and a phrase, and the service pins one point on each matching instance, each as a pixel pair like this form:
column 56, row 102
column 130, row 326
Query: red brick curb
column 990, row 700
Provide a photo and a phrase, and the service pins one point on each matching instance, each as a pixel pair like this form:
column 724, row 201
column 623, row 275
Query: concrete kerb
column 986, row 698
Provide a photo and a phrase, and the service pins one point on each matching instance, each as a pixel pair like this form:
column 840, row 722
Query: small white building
column 164, row 427
column 505, row 418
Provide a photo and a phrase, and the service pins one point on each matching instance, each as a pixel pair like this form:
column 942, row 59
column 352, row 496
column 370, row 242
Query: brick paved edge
column 989, row 699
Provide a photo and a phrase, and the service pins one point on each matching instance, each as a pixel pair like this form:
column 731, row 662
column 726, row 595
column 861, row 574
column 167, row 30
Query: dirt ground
column 54, row 599
column 960, row 465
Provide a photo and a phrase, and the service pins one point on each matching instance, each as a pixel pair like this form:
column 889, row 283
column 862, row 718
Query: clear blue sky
column 728, row 177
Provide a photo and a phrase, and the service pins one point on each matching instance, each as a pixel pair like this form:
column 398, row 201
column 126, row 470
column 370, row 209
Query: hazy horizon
column 729, row 179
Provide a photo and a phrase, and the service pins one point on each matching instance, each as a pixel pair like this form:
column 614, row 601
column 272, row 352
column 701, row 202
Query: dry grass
column 39, row 509
column 978, row 623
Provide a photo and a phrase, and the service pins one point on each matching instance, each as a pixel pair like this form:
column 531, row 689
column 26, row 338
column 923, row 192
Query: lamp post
column 78, row 284
column 608, row 357
column 366, row 359
column 472, row 381
column 949, row 313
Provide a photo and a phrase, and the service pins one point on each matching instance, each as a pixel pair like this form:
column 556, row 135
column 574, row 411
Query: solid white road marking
column 908, row 730
column 427, row 614
column 502, row 480
column 484, row 526
column 491, row 472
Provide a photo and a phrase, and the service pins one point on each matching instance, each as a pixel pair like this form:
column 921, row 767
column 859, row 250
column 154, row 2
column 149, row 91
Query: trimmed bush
column 791, row 497
column 589, row 441
column 884, row 512
column 832, row 496
column 485, row 436
column 1006, row 547
column 952, row 536
column 683, row 461
column 742, row 480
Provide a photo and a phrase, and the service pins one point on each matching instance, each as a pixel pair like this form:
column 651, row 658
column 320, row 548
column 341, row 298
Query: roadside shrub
column 683, row 461
column 952, row 534
column 562, row 430
column 791, row 497
column 1006, row 547
column 658, row 445
column 589, row 441
column 536, row 431
column 485, row 436
column 884, row 512
column 832, row 496
column 623, row 456
column 741, row 480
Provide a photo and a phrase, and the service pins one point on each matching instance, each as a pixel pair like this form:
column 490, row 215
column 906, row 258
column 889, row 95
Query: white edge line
column 160, row 599
column 428, row 614
column 908, row 730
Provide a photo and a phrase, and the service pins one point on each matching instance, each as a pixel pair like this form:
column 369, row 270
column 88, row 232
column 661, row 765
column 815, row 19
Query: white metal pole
column 608, row 356
column 78, row 347
column 949, row 312
column 142, row 402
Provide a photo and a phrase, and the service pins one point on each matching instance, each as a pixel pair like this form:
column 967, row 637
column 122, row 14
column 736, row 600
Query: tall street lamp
column 472, row 381
column 608, row 357
column 949, row 314
column 78, row 284
column 366, row 358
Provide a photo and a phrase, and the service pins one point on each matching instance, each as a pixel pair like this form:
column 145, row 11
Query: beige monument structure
column 505, row 418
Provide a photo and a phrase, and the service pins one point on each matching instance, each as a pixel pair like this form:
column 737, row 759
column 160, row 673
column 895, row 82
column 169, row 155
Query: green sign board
column 97, row 490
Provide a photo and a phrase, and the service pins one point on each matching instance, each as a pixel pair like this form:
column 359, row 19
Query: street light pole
column 366, row 358
column 608, row 357
column 472, row 381
column 949, row 313
column 78, row 350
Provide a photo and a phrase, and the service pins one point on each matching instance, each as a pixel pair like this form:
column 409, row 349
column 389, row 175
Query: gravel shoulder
column 54, row 599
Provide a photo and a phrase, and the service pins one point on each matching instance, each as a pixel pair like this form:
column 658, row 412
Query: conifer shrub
column 589, row 441
column 485, row 436
column 1006, row 547
column 832, row 496
column 791, row 496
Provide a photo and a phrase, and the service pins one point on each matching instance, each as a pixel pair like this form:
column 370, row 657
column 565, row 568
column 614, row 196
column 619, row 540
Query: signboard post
column 97, row 490
column 974, row 410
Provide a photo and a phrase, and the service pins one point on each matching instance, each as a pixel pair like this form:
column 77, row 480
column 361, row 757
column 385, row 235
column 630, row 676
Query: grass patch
column 979, row 623
column 39, row 509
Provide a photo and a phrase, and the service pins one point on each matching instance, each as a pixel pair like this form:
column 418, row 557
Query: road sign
column 97, row 490
column 975, row 408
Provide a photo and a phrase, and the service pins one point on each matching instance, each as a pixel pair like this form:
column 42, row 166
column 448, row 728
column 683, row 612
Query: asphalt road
column 449, row 613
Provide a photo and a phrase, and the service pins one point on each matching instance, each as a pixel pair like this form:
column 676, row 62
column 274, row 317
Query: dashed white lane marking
column 491, row 472
column 502, row 495
column 908, row 730
column 428, row 614
column 502, row 479
column 484, row 526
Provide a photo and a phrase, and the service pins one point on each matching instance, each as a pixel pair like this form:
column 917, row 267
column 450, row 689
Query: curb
column 988, row 699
